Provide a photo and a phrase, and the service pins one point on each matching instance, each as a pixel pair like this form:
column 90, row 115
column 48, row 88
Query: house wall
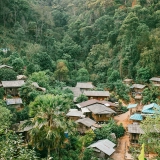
column 100, row 154
column 101, row 117
column 98, row 98
column 82, row 128
column 134, row 137
column 73, row 118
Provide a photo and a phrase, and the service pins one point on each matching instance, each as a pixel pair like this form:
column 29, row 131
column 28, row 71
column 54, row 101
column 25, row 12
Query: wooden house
column 128, row 81
column 21, row 77
column 84, row 86
column 100, row 112
column 14, row 102
column 103, row 148
column 11, row 87
column 74, row 114
column 85, row 124
column 150, row 109
column 99, row 95
column 137, row 90
column 136, row 117
column 155, row 81
column 134, row 131
column 132, row 108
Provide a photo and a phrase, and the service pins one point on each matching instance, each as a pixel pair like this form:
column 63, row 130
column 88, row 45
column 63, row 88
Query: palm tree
column 49, row 122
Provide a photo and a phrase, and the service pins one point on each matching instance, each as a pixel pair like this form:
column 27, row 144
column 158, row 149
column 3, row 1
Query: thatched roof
column 100, row 109
column 12, row 84
column 5, row 66
column 156, row 79
column 85, row 85
column 97, row 93
column 139, row 86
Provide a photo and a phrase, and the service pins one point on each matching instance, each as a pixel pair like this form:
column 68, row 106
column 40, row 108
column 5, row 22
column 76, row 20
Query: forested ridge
column 101, row 37
column 58, row 43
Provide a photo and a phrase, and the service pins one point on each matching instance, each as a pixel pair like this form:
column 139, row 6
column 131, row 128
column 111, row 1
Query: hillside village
column 79, row 79
column 93, row 112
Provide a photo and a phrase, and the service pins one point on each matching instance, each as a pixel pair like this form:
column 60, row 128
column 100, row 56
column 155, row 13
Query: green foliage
column 12, row 145
column 81, row 98
column 82, row 75
column 7, row 74
column 5, row 119
column 1, row 93
column 18, row 65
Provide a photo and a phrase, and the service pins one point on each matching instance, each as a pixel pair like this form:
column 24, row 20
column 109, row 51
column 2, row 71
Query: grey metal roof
column 97, row 93
column 86, row 103
column 86, row 121
column 16, row 83
column 76, row 91
column 135, row 128
column 132, row 106
column 85, row 85
column 140, row 86
column 5, row 66
column 93, row 101
column 25, row 128
column 105, row 146
column 75, row 114
column 100, row 109
column 14, row 101
column 156, row 79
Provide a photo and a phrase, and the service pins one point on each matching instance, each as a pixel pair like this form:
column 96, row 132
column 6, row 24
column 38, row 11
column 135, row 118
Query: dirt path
column 123, row 142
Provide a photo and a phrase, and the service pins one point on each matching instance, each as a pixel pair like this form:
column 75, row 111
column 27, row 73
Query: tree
column 49, row 123
column 7, row 74
column 12, row 146
column 82, row 75
column 61, row 73
column 18, row 65
column 81, row 98
column 5, row 119
column 151, row 136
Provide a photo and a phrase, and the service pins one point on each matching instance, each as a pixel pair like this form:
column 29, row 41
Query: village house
column 99, row 95
column 132, row 108
column 21, row 77
column 128, row 81
column 100, row 112
column 75, row 90
column 11, row 87
column 84, row 86
column 74, row 114
column 150, row 109
column 137, row 90
column 14, row 102
column 155, row 81
column 85, row 124
column 103, row 148
column 134, row 131
column 136, row 117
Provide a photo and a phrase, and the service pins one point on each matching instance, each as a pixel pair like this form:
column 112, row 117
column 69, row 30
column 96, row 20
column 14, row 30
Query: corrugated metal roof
column 85, row 85
column 128, row 80
column 105, row 146
column 86, row 121
column 137, row 117
column 16, row 83
column 75, row 114
column 157, row 79
column 87, row 103
column 14, row 101
column 140, row 86
column 97, row 93
column 132, row 106
column 100, row 109
column 135, row 128
column 151, row 108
